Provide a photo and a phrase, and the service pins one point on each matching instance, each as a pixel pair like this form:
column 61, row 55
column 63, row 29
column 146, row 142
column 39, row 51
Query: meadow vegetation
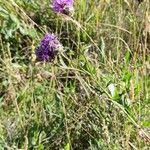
column 95, row 94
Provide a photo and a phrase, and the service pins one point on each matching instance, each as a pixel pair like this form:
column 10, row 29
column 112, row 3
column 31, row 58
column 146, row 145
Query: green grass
column 67, row 104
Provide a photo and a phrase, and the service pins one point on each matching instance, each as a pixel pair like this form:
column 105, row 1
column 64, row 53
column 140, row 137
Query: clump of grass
column 94, row 95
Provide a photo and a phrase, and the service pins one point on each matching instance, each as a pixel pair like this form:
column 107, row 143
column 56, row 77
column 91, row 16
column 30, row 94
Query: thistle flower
column 48, row 48
column 63, row 6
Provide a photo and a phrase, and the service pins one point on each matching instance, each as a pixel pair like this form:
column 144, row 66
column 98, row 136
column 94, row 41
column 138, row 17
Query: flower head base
column 63, row 6
column 48, row 48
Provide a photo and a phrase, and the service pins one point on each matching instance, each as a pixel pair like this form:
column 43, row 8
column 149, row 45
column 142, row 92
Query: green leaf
column 67, row 146
column 127, row 57
column 146, row 123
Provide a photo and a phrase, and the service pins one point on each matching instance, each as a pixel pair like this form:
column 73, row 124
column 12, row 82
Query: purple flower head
column 63, row 6
column 48, row 48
